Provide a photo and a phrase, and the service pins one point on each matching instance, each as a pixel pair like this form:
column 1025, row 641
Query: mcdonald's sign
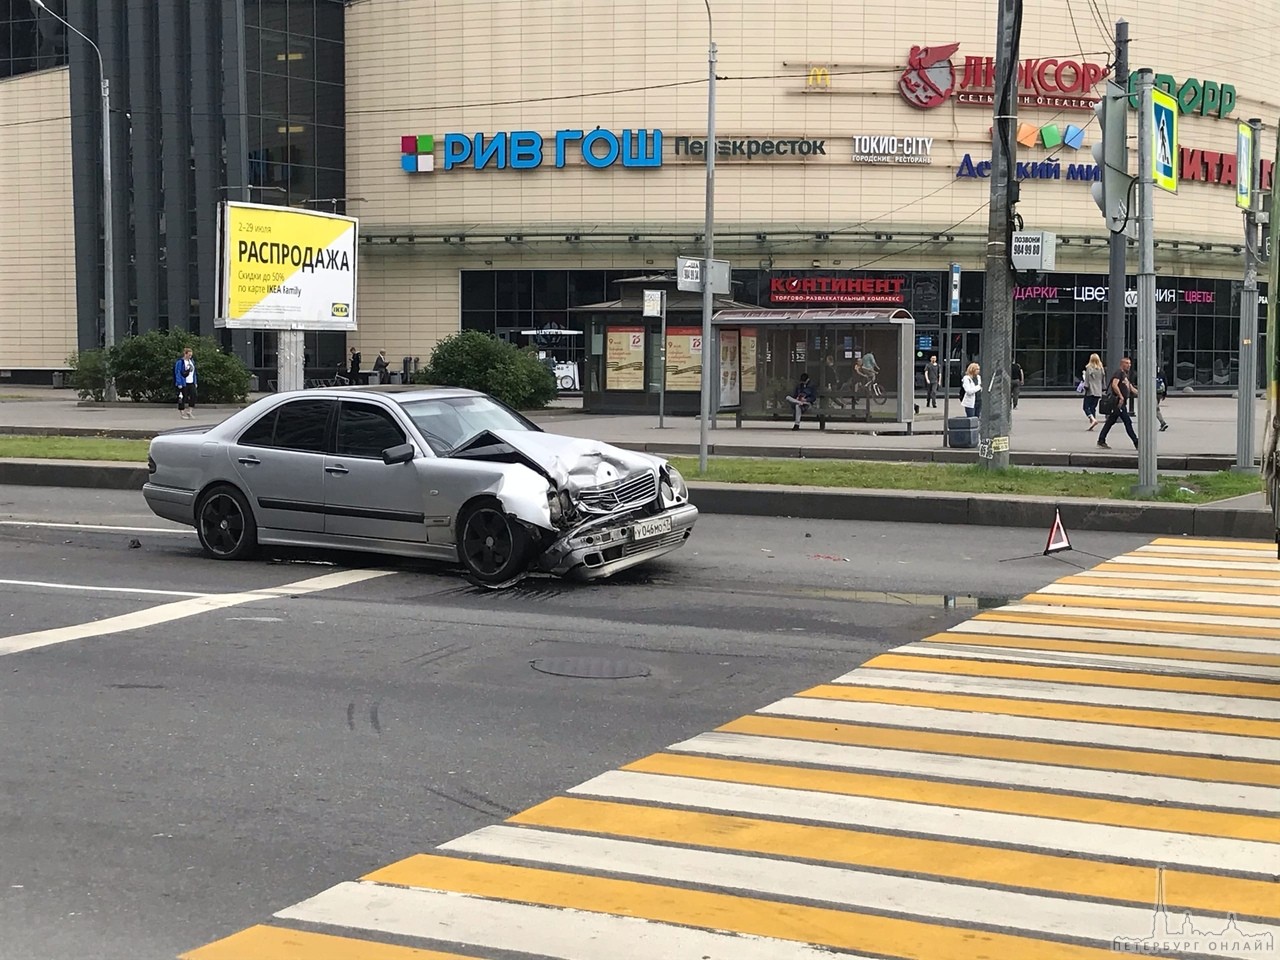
column 818, row 79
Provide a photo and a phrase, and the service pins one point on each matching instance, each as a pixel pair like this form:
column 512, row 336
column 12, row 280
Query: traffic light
column 1112, row 192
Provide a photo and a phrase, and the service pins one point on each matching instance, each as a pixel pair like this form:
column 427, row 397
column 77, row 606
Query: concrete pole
column 1146, row 373
column 1248, row 365
column 1118, row 242
column 997, row 321
column 708, row 234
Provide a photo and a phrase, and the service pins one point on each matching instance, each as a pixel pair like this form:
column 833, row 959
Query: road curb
column 820, row 503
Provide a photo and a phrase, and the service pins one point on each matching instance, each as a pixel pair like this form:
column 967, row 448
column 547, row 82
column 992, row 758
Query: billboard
column 285, row 269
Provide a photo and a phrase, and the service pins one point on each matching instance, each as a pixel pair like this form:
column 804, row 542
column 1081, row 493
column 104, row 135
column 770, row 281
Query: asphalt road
column 207, row 763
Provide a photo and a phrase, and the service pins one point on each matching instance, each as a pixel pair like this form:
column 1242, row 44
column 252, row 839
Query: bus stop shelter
column 859, row 359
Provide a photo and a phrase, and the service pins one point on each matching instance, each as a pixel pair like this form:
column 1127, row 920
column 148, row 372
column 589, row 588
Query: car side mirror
column 401, row 453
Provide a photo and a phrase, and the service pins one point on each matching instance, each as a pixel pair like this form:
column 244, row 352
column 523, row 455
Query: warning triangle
column 1058, row 539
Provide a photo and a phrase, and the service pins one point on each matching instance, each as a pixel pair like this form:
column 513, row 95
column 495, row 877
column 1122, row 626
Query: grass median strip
column 844, row 474
column 1016, row 481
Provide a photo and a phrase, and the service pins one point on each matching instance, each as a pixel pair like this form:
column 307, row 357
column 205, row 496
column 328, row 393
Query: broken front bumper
column 603, row 548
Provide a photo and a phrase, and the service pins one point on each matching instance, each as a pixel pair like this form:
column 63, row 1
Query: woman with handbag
column 1091, row 384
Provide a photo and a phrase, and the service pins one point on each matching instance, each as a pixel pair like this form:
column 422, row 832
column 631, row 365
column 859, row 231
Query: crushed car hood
column 567, row 461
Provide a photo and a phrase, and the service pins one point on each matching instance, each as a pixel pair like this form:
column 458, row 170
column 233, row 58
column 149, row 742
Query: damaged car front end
column 598, row 510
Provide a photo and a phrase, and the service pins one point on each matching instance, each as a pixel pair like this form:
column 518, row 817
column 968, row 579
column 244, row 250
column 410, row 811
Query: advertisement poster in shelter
column 684, row 358
column 748, row 350
column 730, row 395
column 624, row 359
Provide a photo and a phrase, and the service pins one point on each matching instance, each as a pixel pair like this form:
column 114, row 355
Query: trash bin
column 963, row 431
column 253, row 383
column 395, row 378
column 374, row 379
column 57, row 379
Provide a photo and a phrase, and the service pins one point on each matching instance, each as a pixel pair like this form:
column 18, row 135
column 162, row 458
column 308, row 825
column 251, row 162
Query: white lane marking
column 180, row 609
column 1153, row 581
column 95, row 527
column 1027, row 728
column 1219, row 643
column 1074, row 693
column 1146, row 616
column 951, row 823
column 1042, row 776
column 1169, row 594
column 1197, row 669
column 529, row 929
column 926, row 900
column 93, row 589
column 1147, row 560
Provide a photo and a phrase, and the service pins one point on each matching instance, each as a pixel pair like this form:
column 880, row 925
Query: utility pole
column 997, row 320
column 1118, row 241
column 709, row 238
column 1248, row 169
column 1146, row 288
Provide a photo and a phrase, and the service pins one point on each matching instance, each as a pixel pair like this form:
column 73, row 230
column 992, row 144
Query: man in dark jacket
column 802, row 398
column 354, row 369
column 1122, row 391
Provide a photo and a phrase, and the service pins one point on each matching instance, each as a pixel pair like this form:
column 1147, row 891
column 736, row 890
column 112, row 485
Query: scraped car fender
column 523, row 494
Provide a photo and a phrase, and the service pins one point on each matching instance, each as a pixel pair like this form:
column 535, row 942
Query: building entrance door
column 962, row 352
column 1166, row 344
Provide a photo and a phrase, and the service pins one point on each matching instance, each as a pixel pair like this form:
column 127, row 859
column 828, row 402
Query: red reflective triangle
column 1058, row 539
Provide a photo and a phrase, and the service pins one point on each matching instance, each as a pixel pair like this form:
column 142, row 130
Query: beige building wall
column 37, row 240
column 437, row 66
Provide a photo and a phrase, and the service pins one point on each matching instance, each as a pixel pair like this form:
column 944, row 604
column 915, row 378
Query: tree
column 480, row 361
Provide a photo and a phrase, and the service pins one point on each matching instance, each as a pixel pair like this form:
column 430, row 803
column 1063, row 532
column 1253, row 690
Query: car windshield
column 449, row 422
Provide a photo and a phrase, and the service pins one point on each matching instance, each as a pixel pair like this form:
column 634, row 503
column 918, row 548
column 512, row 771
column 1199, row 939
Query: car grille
column 625, row 494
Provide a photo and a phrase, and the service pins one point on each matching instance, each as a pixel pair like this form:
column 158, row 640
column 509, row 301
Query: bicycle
column 869, row 389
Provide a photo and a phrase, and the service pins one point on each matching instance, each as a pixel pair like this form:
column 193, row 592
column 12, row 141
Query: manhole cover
column 591, row 668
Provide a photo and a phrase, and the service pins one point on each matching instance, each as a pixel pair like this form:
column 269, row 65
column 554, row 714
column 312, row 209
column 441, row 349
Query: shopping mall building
column 511, row 161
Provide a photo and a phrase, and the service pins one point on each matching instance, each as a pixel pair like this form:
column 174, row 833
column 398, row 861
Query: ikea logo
column 341, row 310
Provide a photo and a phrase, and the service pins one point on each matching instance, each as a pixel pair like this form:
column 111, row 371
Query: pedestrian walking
column 353, row 369
column 931, row 374
column 802, row 398
column 971, row 390
column 184, row 378
column 1092, row 379
column 1017, row 379
column 1162, row 391
column 381, row 367
column 1115, row 404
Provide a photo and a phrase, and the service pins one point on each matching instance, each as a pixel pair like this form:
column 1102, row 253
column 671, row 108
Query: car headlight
column 673, row 487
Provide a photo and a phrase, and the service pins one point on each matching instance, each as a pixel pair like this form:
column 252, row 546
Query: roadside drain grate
column 590, row 668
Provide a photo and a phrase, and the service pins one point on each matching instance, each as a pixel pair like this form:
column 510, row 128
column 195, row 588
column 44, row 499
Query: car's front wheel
column 491, row 545
column 225, row 524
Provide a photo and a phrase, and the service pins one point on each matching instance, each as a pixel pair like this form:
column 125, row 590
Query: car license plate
column 651, row 528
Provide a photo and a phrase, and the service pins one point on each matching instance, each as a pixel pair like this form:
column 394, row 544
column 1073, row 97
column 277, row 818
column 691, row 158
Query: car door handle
column 250, row 461
column 339, row 469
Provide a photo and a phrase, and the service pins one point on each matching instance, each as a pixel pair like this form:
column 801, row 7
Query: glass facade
column 1059, row 317
column 295, row 71
column 31, row 39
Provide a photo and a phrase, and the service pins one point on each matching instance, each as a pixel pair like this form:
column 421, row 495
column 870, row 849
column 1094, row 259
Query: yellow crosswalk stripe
column 836, row 929
column 1125, row 716
column 1081, row 675
column 1191, row 542
column 282, row 943
column 1186, row 625
column 1173, row 573
column 1152, row 583
column 999, row 748
column 1157, row 606
column 913, row 855
column 1027, row 803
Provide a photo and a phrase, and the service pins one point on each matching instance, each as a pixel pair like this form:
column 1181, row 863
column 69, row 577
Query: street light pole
column 108, row 219
column 709, row 238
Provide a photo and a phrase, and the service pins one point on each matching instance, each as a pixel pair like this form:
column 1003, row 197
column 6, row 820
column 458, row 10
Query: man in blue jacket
column 184, row 378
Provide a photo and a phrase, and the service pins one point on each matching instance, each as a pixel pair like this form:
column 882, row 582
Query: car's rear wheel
column 491, row 545
column 225, row 524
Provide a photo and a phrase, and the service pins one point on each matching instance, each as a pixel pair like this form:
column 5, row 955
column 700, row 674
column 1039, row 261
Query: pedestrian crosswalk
column 1090, row 771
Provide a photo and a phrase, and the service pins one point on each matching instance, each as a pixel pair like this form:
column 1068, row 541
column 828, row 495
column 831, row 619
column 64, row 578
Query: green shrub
column 480, row 361
column 143, row 368
column 88, row 374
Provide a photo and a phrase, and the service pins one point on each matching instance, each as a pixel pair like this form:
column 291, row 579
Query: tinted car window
column 261, row 433
column 301, row 425
column 365, row 431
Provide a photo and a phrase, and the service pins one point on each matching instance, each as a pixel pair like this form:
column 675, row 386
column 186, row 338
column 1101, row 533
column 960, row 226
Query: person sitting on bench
column 801, row 398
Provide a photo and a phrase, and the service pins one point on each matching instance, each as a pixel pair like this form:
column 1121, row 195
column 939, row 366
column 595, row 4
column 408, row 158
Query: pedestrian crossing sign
column 1058, row 539
column 1164, row 140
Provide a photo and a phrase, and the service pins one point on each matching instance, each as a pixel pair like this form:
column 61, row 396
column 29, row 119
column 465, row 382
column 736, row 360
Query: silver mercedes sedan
column 438, row 473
